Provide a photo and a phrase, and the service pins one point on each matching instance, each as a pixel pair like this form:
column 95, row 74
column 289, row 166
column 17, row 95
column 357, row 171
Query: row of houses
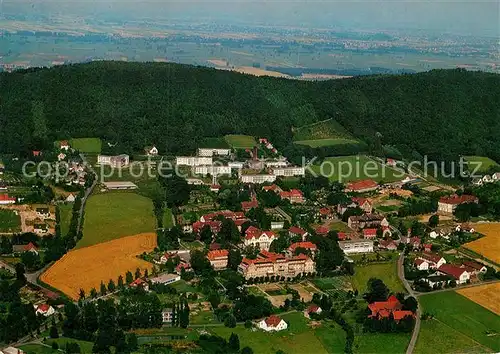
column 479, row 181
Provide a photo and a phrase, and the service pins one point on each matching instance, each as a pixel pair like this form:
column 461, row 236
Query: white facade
column 115, row 161
column 45, row 310
column 268, row 328
column 263, row 241
column 289, row 171
column 192, row 160
column 236, row 165
column 423, row 265
column 257, row 178
column 356, row 246
column 213, row 152
column 211, row 170
column 276, row 163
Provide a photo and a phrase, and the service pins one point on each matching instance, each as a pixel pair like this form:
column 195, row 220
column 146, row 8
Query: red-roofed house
column 272, row 188
column 421, row 264
column 36, row 153
column 215, row 226
column 322, row 230
column 427, row 247
column 313, row 308
column 388, row 245
column 297, row 231
column 366, row 185
column 246, row 206
column 64, row 145
column 447, row 205
column 273, row 323
column 474, row 267
column 140, row 283
column 364, row 203
column 383, row 309
column 415, row 242
column 294, row 196
column 257, row 237
column 215, row 188
column 325, row 214
column 5, row 199
column 460, row 274
column 44, row 310
column 434, row 260
column 30, row 247
column 233, row 215
column 218, row 258
column 342, row 236
column 182, row 265
column 305, row 245
column 369, row 233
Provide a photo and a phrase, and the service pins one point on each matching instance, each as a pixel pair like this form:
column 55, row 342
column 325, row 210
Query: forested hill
column 174, row 106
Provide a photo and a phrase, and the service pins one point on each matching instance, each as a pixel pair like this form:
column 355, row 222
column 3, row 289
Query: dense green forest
column 440, row 113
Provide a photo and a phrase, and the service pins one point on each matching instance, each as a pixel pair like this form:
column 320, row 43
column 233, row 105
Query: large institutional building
column 257, row 178
column 356, row 246
column 274, row 264
column 257, row 237
column 211, row 170
column 114, row 161
column 213, row 152
column 192, row 160
column 289, row 171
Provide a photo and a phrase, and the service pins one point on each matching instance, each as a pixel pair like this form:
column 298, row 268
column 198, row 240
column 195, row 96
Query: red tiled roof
column 36, row 153
column 392, row 298
column 341, row 235
column 234, row 215
column 214, row 246
column 294, row 193
column 390, row 305
column 137, row 282
column 313, row 308
column 212, row 255
column 322, row 230
column 30, row 246
column 452, row 270
column 43, row 307
column 369, row 233
column 273, row 321
column 400, row 314
column 415, row 240
column 325, row 211
column 249, row 205
column 473, row 265
column 272, row 187
column 456, row 199
column 419, row 261
column 215, row 186
column 5, row 197
column 387, row 244
column 215, row 226
column 362, row 185
column 431, row 257
column 297, row 230
column 307, row 245
column 64, row 143
column 360, row 201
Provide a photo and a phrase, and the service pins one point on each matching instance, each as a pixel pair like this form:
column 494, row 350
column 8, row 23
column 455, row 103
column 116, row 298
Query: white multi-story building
column 274, row 264
column 211, row 170
column 289, row 171
column 276, row 163
column 213, row 152
column 257, row 178
column 114, row 161
column 237, row 165
column 356, row 246
column 192, row 160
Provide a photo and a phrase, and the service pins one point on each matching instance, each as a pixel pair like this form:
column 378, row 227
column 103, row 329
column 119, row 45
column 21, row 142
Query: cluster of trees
column 211, row 103
column 215, row 344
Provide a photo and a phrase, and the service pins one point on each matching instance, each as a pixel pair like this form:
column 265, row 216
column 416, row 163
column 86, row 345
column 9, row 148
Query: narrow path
column 458, row 287
column 416, row 329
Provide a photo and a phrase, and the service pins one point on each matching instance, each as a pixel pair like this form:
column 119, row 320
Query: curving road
column 416, row 329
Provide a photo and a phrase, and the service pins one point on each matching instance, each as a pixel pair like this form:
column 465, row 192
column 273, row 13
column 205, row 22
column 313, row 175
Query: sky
column 473, row 17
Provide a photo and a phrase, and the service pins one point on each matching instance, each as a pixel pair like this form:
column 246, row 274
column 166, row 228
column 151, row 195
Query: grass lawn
column 298, row 338
column 85, row 347
column 381, row 343
column 339, row 226
column 326, row 142
column 464, row 316
column 241, row 141
column 182, row 287
column 387, row 272
column 37, row 349
column 114, row 215
column 332, row 336
column 356, row 167
column 202, row 317
column 485, row 163
column 328, row 129
column 9, row 221
column 87, row 145
column 331, row 283
column 65, row 213
column 253, row 290
column 214, row 143
column 448, row 340
column 167, row 218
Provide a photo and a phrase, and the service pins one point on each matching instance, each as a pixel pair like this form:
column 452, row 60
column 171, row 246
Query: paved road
column 458, row 287
column 8, row 267
column 87, row 193
column 416, row 329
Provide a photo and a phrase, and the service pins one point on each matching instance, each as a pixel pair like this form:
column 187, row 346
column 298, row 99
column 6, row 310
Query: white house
column 460, row 275
column 273, row 323
column 151, row 150
column 12, row 350
column 70, row 198
column 166, row 278
column 114, row 161
column 64, row 145
column 421, row 264
column 167, row 315
column 44, row 310
column 496, row 176
column 61, row 156
column 236, row 165
column 434, row 260
column 313, row 308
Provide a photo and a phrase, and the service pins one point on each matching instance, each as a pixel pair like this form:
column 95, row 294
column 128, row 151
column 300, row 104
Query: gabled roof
column 253, row 232
column 452, row 270
column 400, row 314
column 249, row 205
column 432, row 257
column 473, row 265
column 456, row 199
column 215, row 254
column 360, row 201
column 313, row 308
column 307, row 245
column 5, row 197
column 322, row 230
column 369, row 232
column 138, row 282
column 419, row 261
column 297, row 230
column 30, row 246
column 43, row 307
column 325, row 211
column 294, row 193
column 273, row 321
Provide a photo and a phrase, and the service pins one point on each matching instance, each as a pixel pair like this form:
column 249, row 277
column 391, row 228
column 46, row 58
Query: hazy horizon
column 478, row 18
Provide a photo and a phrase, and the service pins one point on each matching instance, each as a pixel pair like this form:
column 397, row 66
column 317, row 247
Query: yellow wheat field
column 487, row 296
column 489, row 245
column 85, row 268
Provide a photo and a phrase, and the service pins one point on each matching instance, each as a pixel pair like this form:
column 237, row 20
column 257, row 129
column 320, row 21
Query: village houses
column 447, row 205
column 259, row 238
